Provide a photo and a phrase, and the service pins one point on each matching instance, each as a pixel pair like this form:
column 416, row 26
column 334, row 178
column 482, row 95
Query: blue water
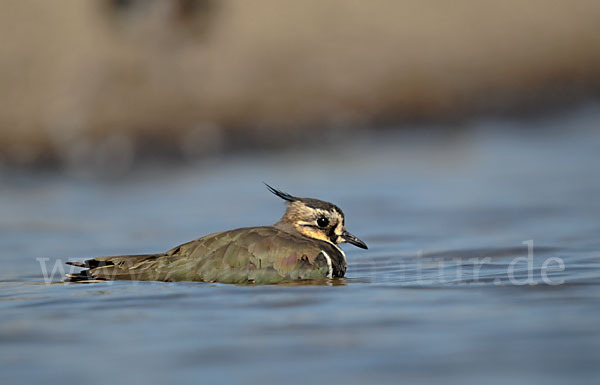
column 483, row 265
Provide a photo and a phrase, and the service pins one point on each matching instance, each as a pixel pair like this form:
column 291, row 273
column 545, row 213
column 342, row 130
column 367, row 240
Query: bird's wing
column 260, row 255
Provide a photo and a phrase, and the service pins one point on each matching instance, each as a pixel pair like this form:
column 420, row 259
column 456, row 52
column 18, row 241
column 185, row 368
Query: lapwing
column 303, row 245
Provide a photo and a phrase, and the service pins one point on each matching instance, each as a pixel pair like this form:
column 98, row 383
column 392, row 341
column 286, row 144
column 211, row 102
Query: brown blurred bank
column 120, row 80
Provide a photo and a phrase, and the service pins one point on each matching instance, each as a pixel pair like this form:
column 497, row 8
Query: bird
column 302, row 245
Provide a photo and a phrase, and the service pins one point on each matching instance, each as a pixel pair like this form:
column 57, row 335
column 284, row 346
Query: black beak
column 355, row 241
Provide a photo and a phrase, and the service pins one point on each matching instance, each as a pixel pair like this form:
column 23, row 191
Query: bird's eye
column 322, row 222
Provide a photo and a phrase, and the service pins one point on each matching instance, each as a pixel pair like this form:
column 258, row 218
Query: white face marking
column 339, row 229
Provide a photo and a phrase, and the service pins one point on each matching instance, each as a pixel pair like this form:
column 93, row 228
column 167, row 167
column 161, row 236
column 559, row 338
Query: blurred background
column 453, row 134
column 103, row 85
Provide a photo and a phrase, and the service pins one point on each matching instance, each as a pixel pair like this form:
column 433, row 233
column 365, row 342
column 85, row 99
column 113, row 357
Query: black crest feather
column 281, row 194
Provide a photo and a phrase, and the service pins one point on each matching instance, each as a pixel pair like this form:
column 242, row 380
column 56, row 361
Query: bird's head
column 315, row 219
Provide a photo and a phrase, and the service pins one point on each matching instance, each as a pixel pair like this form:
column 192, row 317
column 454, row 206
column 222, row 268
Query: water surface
column 483, row 265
